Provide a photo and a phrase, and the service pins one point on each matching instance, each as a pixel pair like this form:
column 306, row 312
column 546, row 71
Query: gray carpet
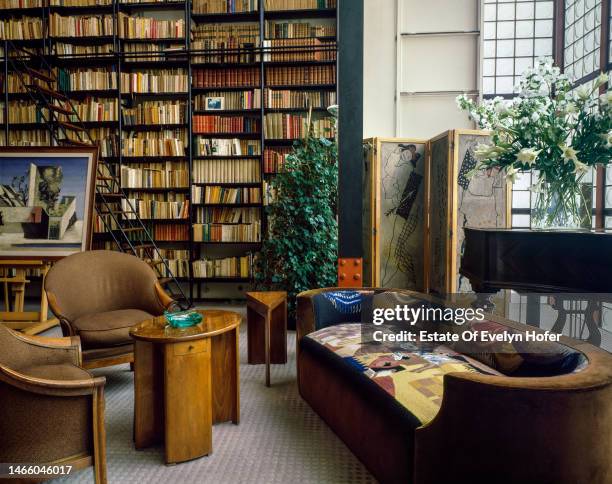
column 279, row 438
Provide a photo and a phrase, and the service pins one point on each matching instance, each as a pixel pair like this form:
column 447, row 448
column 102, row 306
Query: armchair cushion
column 110, row 328
column 63, row 372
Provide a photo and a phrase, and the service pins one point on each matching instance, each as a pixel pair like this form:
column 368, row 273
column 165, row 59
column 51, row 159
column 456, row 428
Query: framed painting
column 46, row 201
column 394, row 222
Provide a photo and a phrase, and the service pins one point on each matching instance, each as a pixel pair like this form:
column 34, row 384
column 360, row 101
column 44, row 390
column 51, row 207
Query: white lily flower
column 583, row 92
column 608, row 139
column 601, row 80
column 569, row 153
column 606, row 99
column 511, row 174
column 580, row 168
column 483, row 152
column 527, row 156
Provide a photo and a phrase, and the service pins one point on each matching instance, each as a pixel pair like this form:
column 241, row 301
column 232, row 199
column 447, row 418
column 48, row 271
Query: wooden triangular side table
column 267, row 329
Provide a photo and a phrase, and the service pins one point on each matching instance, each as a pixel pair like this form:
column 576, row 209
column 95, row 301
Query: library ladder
column 116, row 211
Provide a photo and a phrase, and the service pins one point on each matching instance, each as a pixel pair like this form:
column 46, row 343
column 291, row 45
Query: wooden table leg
column 225, row 377
column 188, row 400
column 148, row 395
column 267, row 323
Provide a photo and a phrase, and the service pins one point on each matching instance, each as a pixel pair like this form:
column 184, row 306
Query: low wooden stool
column 267, row 329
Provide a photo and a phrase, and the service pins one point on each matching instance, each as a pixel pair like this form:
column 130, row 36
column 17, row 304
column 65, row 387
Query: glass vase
column 562, row 205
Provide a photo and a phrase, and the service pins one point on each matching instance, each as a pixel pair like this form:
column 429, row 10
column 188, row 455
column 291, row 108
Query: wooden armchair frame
column 64, row 350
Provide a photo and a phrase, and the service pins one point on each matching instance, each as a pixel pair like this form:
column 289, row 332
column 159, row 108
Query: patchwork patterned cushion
column 410, row 373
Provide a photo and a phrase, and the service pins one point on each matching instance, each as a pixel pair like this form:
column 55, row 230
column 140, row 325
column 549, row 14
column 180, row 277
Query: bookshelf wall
column 196, row 104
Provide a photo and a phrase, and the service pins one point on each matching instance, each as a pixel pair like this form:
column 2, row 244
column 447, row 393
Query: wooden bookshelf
column 287, row 77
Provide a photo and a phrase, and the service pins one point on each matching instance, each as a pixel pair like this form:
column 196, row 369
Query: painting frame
column 88, row 195
column 215, row 103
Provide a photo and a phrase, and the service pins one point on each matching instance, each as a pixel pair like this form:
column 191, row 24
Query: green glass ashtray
column 183, row 319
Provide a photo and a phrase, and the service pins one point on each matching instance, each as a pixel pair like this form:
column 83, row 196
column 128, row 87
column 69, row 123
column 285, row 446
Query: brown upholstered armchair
column 51, row 410
column 99, row 295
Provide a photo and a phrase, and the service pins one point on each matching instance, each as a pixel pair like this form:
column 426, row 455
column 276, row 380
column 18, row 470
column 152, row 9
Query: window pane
column 582, row 37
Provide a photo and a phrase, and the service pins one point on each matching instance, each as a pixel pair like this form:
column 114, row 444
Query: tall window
column 582, row 38
column 515, row 34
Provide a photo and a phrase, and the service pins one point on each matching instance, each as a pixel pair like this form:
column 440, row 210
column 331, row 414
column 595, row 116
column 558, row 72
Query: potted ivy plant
column 300, row 249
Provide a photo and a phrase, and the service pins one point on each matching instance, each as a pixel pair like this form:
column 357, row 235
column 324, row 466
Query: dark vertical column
column 350, row 125
column 559, row 34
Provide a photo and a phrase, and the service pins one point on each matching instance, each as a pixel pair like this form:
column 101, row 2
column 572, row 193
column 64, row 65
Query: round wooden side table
column 184, row 381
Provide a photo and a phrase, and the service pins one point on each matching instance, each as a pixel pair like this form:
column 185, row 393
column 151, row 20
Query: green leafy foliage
column 301, row 247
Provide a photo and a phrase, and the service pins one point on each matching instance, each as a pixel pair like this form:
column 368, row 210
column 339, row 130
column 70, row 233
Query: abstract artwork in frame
column 46, row 201
column 394, row 190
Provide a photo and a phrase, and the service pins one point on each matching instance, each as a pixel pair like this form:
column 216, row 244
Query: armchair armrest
column 163, row 297
column 55, row 350
column 44, row 386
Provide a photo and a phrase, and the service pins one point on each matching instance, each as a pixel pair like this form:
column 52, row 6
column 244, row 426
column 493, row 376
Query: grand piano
column 574, row 266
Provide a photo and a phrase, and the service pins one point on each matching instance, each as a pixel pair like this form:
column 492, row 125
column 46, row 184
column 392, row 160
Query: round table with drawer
column 184, row 381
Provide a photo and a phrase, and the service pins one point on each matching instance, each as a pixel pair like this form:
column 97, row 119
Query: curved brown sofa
column 489, row 428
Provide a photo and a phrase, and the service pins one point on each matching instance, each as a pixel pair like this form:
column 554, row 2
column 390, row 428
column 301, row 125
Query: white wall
column 379, row 65
column 411, row 81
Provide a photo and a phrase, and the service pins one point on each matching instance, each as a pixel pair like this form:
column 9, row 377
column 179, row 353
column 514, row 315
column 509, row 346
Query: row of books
column 24, row 112
column 167, row 254
column 298, row 30
column 227, row 267
column 166, row 232
column 155, row 112
column 81, row 3
column 226, row 147
column 154, row 209
column 224, row 6
column 227, row 233
column 98, row 79
column 225, row 124
column 155, row 81
column 22, row 28
column 107, row 139
column 21, row 137
column 223, row 195
column 5, row 4
column 235, row 77
column 226, row 171
column 97, row 110
column 274, row 159
column 175, row 267
column 227, row 215
column 66, row 49
column 104, row 223
column 155, row 143
column 275, row 5
column 288, row 98
column 291, row 126
column 228, row 100
column 155, row 175
column 306, row 75
column 299, row 50
column 136, row 52
column 150, row 28
column 81, row 25
column 232, row 35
